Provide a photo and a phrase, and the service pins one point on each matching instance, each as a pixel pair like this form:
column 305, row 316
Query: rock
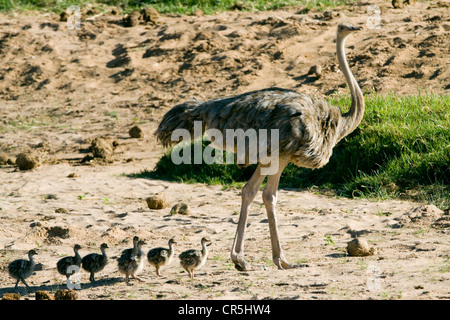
column 359, row 248
column 73, row 175
column 102, row 148
column 157, row 201
column 27, row 161
column 316, row 70
column 44, row 295
column 180, row 208
column 66, row 294
column 61, row 210
column 11, row 296
column 150, row 15
column 136, row 132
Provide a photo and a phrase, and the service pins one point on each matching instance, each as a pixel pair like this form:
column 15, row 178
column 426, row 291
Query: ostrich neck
column 104, row 253
column 77, row 255
column 353, row 117
column 204, row 249
column 171, row 250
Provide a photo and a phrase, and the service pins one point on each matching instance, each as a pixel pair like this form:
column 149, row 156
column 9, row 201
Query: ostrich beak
column 356, row 28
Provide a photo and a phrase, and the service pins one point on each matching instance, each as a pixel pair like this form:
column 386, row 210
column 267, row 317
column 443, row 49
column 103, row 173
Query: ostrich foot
column 282, row 264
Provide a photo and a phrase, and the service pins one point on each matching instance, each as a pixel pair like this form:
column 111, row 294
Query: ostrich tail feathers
column 181, row 116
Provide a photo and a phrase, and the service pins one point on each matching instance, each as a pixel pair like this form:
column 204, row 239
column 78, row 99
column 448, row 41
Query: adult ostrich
column 308, row 127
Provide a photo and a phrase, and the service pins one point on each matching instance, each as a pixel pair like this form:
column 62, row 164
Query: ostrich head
column 32, row 253
column 345, row 29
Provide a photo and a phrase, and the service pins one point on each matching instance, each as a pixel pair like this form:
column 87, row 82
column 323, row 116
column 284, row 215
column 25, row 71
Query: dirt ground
column 61, row 88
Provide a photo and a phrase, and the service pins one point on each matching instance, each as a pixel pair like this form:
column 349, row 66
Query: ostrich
column 308, row 127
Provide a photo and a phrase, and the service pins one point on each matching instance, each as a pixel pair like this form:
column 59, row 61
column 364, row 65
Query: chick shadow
column 305, row 79
column 337, row 255
column 24, row 291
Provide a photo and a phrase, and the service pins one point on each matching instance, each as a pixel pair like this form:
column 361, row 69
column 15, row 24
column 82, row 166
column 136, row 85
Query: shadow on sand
column 24, row 291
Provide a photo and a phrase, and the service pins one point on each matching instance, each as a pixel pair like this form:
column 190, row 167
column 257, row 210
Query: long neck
column 103, row 253
column 30, row 256
column 171, row 249
column 77, row 255
column 204, row 249
column 353, row 117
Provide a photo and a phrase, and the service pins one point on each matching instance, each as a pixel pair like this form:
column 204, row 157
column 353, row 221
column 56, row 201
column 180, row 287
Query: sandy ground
column 61, row 88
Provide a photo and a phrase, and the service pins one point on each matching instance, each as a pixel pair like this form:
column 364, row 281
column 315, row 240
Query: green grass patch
column 400, row 150
column 170, row 6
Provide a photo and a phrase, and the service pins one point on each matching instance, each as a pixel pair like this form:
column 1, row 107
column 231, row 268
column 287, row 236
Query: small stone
column 136, row 132
column 44, row 295
column 157, row 201
column 180, row 208
column 73, row 175
column 359, row 248
column 61, row 210
column 316, row 70
column 27, row 161
column 66, row 294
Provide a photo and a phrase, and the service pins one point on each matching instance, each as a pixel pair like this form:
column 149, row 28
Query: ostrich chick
column 65, row 266
column 131, row 263
column 193, row 259
column 95, row 262
column 21, row 269
column 160, row 256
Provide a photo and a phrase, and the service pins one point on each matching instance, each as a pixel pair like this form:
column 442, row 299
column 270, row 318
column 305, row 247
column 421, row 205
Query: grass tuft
column 171, row 6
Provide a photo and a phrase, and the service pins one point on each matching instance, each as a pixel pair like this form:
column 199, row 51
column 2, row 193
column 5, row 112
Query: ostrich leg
column 248, row 194
column 270, row 200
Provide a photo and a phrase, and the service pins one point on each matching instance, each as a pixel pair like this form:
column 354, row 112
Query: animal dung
column 27, row 161
column 132, row 19
column 136, row 132
column 150, row 15
column 102, row 148
column 44, row 295
column 11, row 296
column 66, row 294
column 359, row 248
column 180, row 208
column 157, row 201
